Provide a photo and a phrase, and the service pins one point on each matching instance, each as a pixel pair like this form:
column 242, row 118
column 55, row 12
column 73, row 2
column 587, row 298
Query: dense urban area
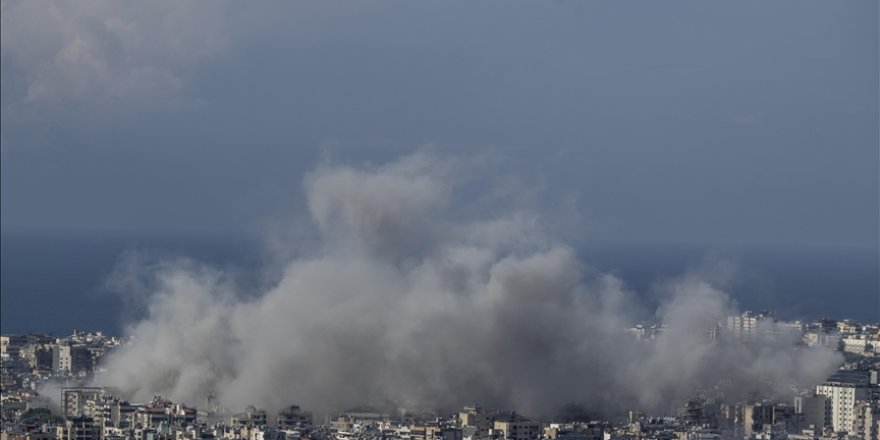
column 845, row 406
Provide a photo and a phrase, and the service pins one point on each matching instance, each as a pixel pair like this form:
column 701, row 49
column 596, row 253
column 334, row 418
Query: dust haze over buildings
column 729, row 124
column 403, row 301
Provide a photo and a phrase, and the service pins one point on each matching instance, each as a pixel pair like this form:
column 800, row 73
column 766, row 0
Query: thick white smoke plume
column 405, row 303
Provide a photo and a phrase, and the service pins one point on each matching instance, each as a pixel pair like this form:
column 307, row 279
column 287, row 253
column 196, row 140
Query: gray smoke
column 406, row 301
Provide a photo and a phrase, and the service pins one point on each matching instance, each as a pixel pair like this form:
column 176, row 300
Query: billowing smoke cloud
column 406, row 302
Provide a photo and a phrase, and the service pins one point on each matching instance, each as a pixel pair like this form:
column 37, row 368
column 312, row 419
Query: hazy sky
column 722, row 122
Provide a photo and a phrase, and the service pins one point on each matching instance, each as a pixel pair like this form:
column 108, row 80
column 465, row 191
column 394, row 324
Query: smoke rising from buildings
column 406, row 301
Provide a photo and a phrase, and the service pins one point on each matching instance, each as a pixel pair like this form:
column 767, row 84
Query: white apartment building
column 748, row 326
column 844, row 389
column 743, row 326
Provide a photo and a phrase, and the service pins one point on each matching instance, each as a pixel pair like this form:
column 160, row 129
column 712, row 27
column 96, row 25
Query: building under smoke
column 406, row 300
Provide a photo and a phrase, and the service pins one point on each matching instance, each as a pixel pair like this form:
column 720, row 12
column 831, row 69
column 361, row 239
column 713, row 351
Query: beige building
column 477, row 418
column 855, row 345
column 867, row 420
column 62, row 361
column 517, row 428
column 82, row 428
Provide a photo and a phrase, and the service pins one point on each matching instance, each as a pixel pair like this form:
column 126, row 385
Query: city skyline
column 440, row 220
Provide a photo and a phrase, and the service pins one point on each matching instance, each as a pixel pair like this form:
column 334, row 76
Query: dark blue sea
column 57, row 284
